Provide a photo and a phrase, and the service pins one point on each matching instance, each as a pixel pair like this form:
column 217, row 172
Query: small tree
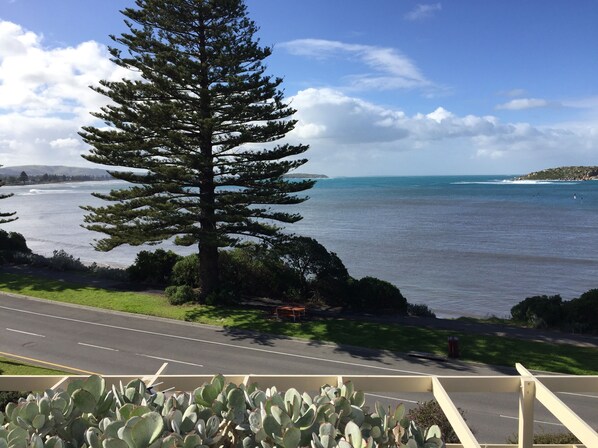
column 199, row 127
column 23, row 177
column 6, row 216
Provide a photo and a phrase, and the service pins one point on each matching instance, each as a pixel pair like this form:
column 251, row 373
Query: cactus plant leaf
column 399, row 412
column 139, row 432
column 114, row 443
column 38, row 421
column 344, row 444
column 95, row 385
column 236, row 398
column 54, row 442
column 434, row 442
column 84, row 400
column 9, row 409
column 433, row 431
column 15, row 434
column 353, row 434
column 271, row 425
column 307, row 419
column 291, row 438
column 36, row 441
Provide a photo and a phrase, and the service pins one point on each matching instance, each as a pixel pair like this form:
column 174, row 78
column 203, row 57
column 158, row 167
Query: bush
column 186, row 271
column 539, row 311
column 419, row 310
column 12, row 246
column 154, row 268
column 322, row 275
column 581, row 314
column 13, row 242
column 375, row 295
column 62, row 261
column 10, row 397
column 254, row 270
column 430, row 413
column 178, row 295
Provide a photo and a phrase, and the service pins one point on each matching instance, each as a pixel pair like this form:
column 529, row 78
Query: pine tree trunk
column 208, row 270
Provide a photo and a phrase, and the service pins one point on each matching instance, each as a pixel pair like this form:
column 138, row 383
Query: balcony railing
column 529, row 387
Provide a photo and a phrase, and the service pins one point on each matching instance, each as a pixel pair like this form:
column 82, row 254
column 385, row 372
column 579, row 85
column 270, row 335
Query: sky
column 386, row 87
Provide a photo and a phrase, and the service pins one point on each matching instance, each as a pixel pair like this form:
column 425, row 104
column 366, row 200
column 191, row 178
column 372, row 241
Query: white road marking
column 578, row 395
column 222, row 344
column 535, row 421
column 170, row 360
column 26, row 332
column 97, row 346
column 402, row 400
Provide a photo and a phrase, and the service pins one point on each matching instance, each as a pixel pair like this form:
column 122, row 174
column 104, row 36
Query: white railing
column 529, row 387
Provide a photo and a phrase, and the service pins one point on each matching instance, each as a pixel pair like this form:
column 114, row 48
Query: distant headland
column 304, row 176
column 564, row 173
column 42, row 174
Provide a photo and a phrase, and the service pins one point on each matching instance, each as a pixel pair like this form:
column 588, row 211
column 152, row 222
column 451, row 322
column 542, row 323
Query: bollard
column 453, row 347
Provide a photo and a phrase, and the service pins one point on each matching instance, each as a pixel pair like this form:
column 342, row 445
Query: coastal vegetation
column 577, row 315
column 199, row 134
column 564, row 173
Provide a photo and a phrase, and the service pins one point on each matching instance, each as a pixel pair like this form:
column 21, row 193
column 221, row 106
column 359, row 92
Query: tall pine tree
column 200, row 120
column 6, row 216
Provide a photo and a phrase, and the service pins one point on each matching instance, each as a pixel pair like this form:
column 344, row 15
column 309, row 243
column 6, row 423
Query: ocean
column 463, row 245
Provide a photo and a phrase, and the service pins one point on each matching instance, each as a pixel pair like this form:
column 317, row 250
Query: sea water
column 464, row 245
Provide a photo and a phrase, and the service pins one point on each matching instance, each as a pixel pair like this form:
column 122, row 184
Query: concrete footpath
column 463, row 326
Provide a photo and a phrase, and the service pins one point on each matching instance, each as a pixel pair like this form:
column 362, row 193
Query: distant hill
column 564, row 173
column 304, row 176
column 52, row 170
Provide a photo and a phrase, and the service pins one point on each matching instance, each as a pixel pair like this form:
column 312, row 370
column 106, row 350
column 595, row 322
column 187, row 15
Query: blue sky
column 381, row 88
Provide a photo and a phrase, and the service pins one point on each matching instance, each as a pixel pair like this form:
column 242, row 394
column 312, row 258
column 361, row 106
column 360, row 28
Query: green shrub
column 13, row 242
column 375, row 296
column 430, row 413
column 419, row 310
column 10, row 397
column 322, row 275
column 154, row 268
column 62, row 261
column 12, row 247
column 539, row 311
column 255, row 271
column 581, row 314
column 186, row 271
column 178, row 295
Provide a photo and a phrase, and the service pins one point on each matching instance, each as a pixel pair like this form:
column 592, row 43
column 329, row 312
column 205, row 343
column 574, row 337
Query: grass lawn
column 474, row 347
column 10, row 367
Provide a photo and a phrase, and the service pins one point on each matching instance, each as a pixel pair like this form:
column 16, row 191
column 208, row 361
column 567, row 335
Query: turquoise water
column 464, row 245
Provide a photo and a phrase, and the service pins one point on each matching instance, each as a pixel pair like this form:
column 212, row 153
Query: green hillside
column 564, row 173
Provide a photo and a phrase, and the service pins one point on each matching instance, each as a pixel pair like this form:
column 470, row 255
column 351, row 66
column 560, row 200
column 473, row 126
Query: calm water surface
column 466, row 245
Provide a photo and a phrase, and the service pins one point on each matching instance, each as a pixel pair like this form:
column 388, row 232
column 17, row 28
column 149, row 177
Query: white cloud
column 391, row 69
column 45, row 96
column 524, row 103
column 351, row 136
column 423, row 11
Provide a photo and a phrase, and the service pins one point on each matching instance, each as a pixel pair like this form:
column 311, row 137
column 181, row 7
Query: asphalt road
column 95, row 341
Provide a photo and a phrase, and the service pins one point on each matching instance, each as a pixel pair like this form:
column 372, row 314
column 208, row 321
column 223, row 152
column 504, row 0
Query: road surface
column 87, row 340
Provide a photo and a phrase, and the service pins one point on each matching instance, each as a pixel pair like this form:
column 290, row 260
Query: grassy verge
column 10, row 367
column 474, row 347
